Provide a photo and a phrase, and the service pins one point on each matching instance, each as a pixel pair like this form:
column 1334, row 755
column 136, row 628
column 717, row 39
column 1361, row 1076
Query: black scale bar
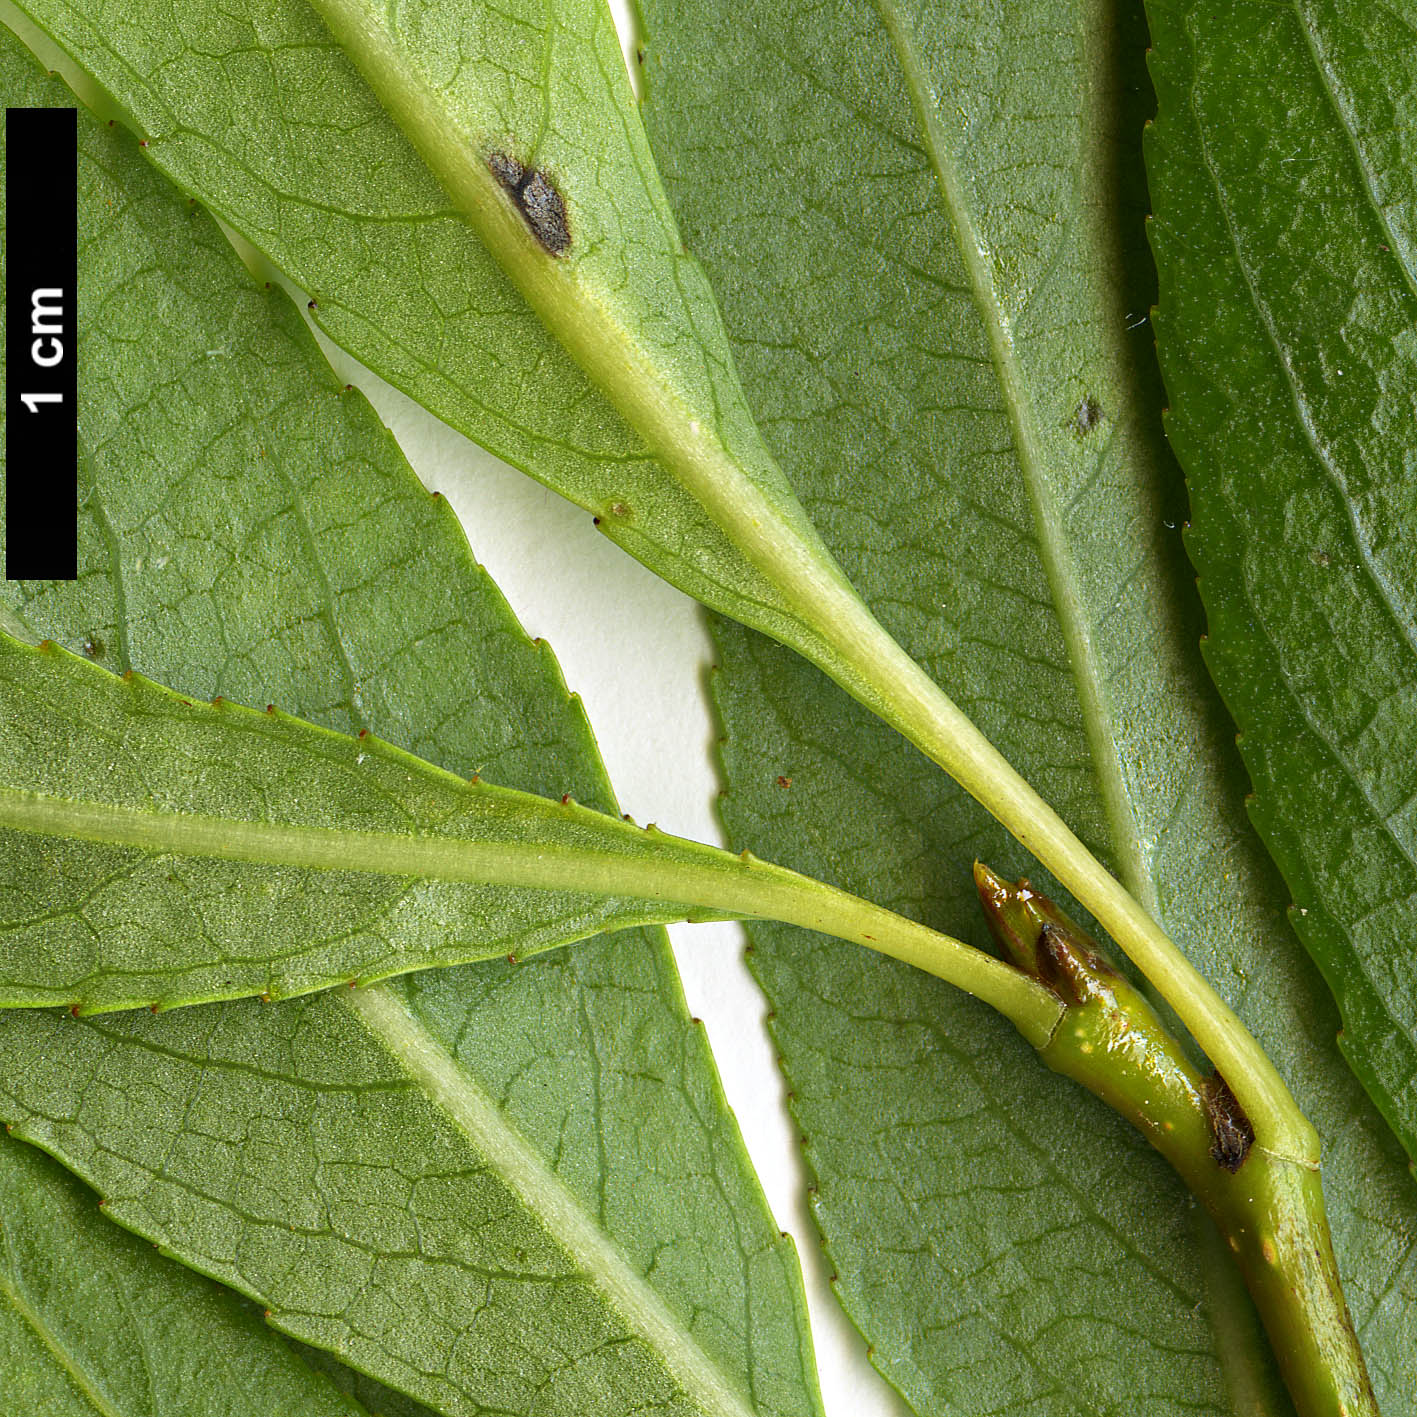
column 41, row 344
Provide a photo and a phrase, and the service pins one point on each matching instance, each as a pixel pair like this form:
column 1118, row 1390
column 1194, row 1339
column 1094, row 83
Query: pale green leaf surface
column 164, row 852
column 914, row 218
column 264, row 120
column 94, row 1324
column 1284, row 162
column 501, row 1189
column 158, row 851
column 381, row 1401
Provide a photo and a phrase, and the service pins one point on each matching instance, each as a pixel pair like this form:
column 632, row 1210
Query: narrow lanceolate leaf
column 481, row 234
column 508, row 1188
column 532, row 134
column 157, row 851
column 94, row 1324
column 1284, row 168
column 925, row 227
column 161, row 852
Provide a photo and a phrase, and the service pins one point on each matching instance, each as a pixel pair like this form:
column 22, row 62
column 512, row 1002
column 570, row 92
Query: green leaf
column 492, row 1187
column 925, row 228
column 633, row 311
column 93, row 1322
column 1285, row 170
column 265, row 120
column 163, row 852
column 160, row 852
column 380, row 1400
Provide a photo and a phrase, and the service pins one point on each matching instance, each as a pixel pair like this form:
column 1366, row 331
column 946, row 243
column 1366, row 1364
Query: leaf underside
column 265, row 121
column 1284, row 162
column 938, row 309
column 92, row 1321
column 491, row 1187
column 166, row 852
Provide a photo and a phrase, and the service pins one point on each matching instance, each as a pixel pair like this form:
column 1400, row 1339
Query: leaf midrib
column 526, row 1173
column 446, row 858
column 1057, row 563
column 1236, row 1360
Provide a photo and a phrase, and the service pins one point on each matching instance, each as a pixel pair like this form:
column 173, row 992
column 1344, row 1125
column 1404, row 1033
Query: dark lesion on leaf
column 541, row 205
column 1231, row 1130
column 1087, row 416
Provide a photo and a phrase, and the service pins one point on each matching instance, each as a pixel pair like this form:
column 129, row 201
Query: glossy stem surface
column 1269, row 1208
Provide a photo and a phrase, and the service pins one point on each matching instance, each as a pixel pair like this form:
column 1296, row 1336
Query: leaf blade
column 440, row 666
column 94, row 1322
column 159, row 852
column 1315, row 344
column 209, row 98
column 599, row 1334
column 852, row 325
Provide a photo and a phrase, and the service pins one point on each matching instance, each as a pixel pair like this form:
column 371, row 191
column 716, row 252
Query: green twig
column 1269, row 1208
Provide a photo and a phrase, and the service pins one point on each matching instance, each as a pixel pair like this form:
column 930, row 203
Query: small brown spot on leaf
column 541, row 205
column 1087, row 416
column 545, row 213
column 784, row 781
column 507, row 170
